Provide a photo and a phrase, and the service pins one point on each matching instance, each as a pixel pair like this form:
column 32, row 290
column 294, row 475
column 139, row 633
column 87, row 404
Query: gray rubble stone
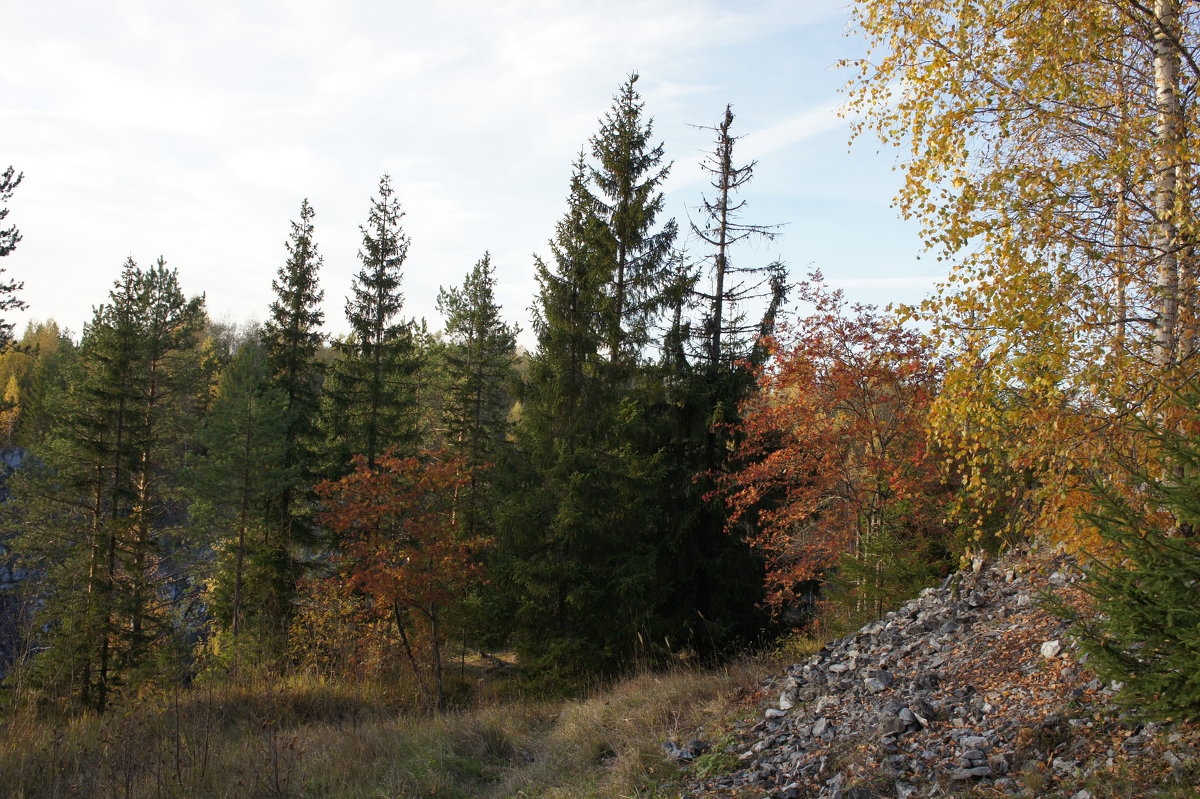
column 1064, row 765
column 975, row 742
column 878, row 681
column 960, row 774
column 1051, row 649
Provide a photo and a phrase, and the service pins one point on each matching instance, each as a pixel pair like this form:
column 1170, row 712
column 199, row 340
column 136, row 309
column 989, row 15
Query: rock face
column 958, row 687
column 10, row 575
column 10, row 609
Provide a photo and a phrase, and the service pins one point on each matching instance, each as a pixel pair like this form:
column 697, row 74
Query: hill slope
column 971, row 689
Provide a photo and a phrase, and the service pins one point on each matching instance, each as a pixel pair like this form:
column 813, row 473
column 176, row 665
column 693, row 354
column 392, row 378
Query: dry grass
column 307, row 738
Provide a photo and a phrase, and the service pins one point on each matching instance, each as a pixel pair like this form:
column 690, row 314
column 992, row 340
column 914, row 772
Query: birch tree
column 1046, row 150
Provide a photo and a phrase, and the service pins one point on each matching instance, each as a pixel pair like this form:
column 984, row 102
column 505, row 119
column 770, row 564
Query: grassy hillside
column 302, row 738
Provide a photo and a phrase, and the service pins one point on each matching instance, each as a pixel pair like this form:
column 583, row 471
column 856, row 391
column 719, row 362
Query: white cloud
column 796, row 128
column 195, row 130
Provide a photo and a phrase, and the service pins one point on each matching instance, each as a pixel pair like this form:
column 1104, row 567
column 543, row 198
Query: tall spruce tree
column 554, row 530
column 729, row 344
column 94, row 525
column 479, row 367
column 567, row 317
column 291, row 339
column 582, row 532
column 9, row 237
column 611, row 552
column 627, row 177
column 371, row 391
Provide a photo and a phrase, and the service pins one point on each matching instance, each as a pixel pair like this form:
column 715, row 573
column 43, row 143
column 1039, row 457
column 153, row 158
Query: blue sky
column 194, row 130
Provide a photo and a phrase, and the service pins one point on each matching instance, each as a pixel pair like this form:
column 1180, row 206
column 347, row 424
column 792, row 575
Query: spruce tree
column 240, row 467
column 612, row 549
column 370, row 400
column 94, row 526
column 291, row 339
column 585, row 532
column 571, row 554
column 627, row 176
column 711, row 582
column 9, row 237
column 729, row 331
column 1144, row 628
column 547, row 522
column 479, row 363
column 568, row 315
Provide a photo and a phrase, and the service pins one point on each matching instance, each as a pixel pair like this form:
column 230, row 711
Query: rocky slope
column 971, row 689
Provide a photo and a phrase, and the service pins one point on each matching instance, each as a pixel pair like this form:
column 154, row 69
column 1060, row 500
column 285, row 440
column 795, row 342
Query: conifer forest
column 702, row 456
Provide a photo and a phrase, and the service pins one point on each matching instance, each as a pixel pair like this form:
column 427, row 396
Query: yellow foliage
column 1047, row 149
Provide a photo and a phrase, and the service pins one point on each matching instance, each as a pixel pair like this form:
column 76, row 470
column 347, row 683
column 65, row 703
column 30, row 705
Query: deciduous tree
column 405, row 551
column 1048, row 155
column 832, row 458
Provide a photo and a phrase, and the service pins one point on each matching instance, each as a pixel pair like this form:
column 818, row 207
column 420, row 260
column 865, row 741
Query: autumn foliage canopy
column 403, row 549
column 832, row 456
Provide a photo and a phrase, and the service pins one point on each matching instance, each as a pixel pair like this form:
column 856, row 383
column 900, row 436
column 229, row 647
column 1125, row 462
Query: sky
column 194, row 131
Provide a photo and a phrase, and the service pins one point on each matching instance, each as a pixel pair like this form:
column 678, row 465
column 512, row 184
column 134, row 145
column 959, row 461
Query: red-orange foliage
column 832, row 448
column 404, row 549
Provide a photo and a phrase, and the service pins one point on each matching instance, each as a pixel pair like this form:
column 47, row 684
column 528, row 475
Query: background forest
column 701, row 450
column 190, row 499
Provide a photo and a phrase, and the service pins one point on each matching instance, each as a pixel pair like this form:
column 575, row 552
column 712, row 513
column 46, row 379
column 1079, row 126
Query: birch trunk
column 1168, row 134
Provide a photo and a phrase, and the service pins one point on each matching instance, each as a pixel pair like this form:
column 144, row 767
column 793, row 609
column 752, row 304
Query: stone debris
column 686, row 753
column 1051, row 649
column 969, row 685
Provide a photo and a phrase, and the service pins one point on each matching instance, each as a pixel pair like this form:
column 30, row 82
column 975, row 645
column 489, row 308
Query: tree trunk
column 398, row 616
column 435, row 632
column 1168, row 136
column 725, row 151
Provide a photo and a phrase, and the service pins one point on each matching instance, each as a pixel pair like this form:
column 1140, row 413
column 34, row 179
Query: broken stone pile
column 970, row 687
